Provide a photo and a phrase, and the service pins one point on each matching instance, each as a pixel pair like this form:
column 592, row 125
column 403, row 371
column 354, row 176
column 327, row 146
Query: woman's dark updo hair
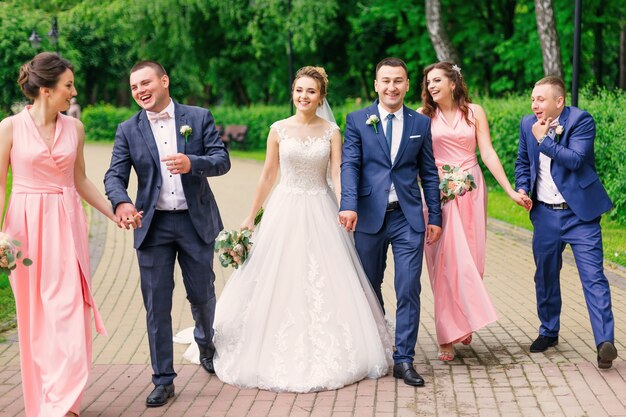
column 44, row 70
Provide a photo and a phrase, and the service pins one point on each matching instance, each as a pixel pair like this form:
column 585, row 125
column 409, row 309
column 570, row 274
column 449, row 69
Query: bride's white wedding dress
column 300, row 315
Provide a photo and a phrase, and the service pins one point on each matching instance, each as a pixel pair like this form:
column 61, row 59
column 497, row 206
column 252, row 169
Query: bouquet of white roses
column 455, row 183
column 234, row 246
column 10, row 254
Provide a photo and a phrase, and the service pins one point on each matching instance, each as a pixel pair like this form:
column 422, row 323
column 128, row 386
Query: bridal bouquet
column 10, row 254
column 234, row 246
column 455, row 183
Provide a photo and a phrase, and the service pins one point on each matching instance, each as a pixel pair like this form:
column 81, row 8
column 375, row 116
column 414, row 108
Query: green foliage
column 101, row 121
column 257, row 118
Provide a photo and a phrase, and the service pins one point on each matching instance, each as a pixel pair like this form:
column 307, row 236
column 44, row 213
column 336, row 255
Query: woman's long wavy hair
column 459, row 93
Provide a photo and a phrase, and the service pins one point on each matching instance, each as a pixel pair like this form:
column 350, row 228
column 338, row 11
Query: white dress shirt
column 171, row 196
column 396, row 136
column 547, row 190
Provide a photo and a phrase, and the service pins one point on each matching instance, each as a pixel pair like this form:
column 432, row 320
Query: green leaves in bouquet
column 258, row 216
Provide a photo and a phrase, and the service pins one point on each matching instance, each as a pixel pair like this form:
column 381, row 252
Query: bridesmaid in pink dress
column 457, row 261
column 53, row 296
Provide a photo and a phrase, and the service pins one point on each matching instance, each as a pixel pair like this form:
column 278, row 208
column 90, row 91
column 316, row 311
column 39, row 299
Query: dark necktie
column 389, row 129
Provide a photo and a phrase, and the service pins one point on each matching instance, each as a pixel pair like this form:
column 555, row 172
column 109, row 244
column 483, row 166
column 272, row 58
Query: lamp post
column 53, row 37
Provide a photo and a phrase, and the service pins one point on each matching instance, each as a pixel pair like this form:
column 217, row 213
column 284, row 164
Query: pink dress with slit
column 456, row 263
column 53, row 296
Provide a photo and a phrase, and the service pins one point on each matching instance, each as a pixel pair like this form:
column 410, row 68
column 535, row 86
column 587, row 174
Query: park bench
column 234, row 133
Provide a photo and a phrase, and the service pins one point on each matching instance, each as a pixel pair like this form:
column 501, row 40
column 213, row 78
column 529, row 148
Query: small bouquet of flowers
column 234, row 246
column 10, row 254
column 455, row 183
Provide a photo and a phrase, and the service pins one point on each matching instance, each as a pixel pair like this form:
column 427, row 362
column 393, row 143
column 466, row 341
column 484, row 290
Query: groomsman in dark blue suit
column 173, row 148
column 556, row 167
column 387, row 147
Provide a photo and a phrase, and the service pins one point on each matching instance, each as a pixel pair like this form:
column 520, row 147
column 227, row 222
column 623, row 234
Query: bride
column 300, row 314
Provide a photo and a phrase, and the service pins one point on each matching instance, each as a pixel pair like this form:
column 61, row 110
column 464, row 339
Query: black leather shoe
column 206, row 359
column 542, row 343
column 606, row 355
column 159, row 395
column 406, row 372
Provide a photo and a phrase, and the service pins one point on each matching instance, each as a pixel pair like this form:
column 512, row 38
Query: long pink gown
column 53, row 296
column 456, row 263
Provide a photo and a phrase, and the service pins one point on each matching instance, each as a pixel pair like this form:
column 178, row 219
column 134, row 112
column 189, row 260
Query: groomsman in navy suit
column 556, row 167
column 387, row 146
column 173, row 148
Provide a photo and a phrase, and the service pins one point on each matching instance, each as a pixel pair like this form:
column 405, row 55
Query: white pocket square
column 415, row 136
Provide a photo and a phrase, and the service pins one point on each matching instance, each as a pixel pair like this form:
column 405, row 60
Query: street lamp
column 53, row 37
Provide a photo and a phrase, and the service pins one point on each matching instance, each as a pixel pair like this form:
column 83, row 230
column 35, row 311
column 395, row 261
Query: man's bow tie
column 155, row 117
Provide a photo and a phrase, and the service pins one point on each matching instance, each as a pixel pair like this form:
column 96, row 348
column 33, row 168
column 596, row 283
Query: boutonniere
column 186, row 131
column 373, row 121
column 558, row 131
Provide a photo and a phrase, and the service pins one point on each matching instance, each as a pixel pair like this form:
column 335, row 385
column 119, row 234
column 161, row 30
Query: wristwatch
column 541, row 139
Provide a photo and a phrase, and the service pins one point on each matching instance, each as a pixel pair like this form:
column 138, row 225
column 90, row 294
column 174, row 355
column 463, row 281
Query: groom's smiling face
column 391, row 84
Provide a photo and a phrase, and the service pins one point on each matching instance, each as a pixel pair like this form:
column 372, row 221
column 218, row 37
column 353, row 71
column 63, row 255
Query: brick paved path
column 495, row 376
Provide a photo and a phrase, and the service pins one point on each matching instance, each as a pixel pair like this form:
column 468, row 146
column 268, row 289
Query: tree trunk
column 438, row 36
column 548, row 37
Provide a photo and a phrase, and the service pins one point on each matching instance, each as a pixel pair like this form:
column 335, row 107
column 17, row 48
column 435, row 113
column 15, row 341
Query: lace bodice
column 303, row 161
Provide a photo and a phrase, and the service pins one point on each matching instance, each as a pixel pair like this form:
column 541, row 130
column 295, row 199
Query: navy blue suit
column 574, row 172
column 164, row 236
column 367, row 173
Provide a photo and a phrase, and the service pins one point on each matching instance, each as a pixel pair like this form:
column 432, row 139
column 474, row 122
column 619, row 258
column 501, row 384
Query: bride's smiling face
column 306, row 94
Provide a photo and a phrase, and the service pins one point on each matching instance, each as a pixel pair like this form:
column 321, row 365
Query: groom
column 173, row 149
column 556, row 167
column 387, row 146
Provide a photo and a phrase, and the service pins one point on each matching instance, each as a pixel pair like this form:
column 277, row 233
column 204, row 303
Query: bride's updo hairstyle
column 318, row 74
column 460, row 96
column 44, row 70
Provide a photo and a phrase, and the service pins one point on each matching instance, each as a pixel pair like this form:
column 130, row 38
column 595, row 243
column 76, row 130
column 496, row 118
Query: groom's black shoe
column 406, row 372
column 206, row 359
column 159, row 395
column 606, row 355
column 542, row 343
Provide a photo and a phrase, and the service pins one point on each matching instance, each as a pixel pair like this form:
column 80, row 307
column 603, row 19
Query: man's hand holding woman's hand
column 128, row 216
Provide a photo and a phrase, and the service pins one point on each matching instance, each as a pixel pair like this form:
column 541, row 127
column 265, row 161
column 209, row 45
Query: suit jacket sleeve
column 350, row 166
column 522, row 164
column 429, row 176
column 117, row 176
column 580, row 145
column 215, row 160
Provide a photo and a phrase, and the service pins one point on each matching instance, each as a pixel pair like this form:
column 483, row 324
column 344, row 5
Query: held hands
column 541, row 127
column 178, row 163
column 522, row 199
column 128, row 216
column 248, row 223
column 347, row 219
column 433, row 233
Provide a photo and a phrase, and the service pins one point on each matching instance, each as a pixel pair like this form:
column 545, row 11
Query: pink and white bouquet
column 455, row 182
column 10, row 254
column 234, row 246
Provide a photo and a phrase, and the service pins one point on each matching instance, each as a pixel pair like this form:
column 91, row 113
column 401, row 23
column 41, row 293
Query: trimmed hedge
column 101, row 121
column 504, row 117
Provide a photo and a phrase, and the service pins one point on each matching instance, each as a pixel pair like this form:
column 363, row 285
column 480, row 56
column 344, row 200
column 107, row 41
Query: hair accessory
column 456, row 68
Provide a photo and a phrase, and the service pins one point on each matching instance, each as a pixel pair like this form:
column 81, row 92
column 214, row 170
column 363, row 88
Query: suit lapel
column 379, row 133
column 148, row 137
column 406, row 131
column 181, row 120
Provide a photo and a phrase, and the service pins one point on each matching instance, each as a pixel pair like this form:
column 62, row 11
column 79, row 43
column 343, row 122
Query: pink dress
column 53, row 296
column 456, row 263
